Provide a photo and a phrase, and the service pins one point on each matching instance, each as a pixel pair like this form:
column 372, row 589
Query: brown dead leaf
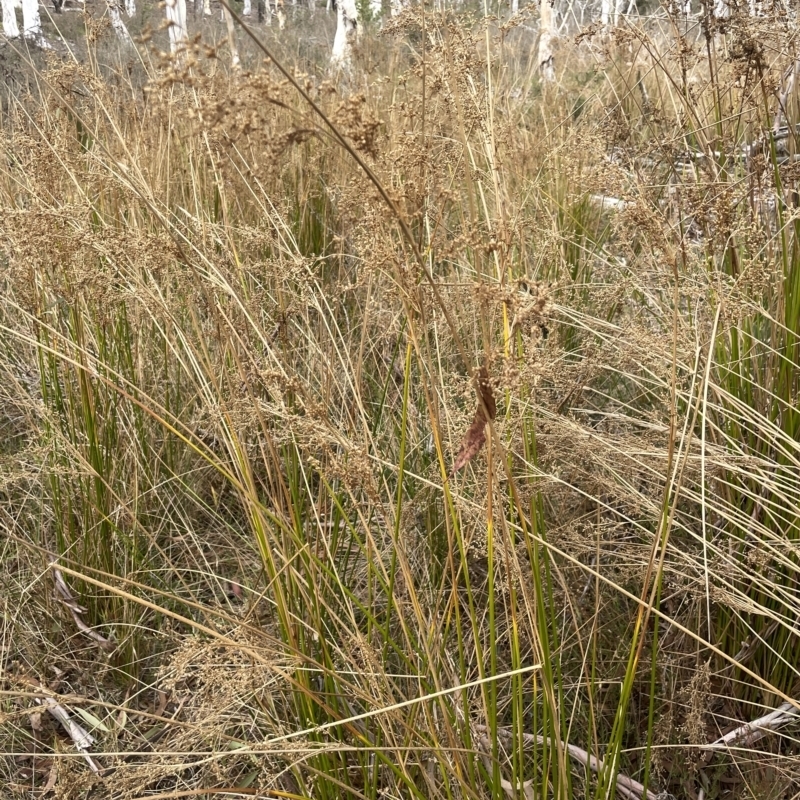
column 475, row 436
column 51, row 779
column 162, row 700
column 471, row 443
column 484, row 385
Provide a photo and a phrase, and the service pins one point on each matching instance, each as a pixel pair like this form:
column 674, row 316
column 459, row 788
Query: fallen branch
column 82, row 739
column 626, row 787
column 65, row 596
column 751, row 732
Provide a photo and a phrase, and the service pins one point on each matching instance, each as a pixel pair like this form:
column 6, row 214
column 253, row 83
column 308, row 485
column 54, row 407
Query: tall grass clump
column 427, row 431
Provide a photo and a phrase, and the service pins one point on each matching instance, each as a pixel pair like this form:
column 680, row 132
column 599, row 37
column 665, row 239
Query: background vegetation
column 243, row 318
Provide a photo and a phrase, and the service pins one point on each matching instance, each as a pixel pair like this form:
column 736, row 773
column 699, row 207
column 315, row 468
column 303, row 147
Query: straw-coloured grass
column 423, row 432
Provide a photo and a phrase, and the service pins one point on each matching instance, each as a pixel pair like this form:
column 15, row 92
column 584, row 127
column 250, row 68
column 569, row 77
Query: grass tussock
column 415, row 433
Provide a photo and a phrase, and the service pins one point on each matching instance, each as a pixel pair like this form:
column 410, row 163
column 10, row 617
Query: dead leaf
column 484, row 384
column 470, row 444
column 51, row 779
column 162, row 702
column 475, row 436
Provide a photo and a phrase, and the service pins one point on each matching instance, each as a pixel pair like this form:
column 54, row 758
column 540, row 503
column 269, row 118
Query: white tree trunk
column 398, row 6
column 10, row 27
column 546, row 36
column 605, row 12
column 348, row 30
column 31, row 21
column 279, row 15
column 247, row 10
column 130, row 7
column 515, row 6
column 116, row 22
column 235, row 63
column 375, row 8
column 178, row 32
column 206, row 8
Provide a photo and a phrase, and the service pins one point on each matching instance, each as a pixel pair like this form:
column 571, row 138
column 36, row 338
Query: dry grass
column 237, row 369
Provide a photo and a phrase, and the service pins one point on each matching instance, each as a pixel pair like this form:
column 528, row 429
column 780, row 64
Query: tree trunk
column 178, row 32
column 206, row 8
column 279, row 15
column 130, row 7
column 546, row 37
column 10, row 27
column 235, row 63
column 348, row 30
column 247, row 9
column 116, row 22
column 31, row 21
